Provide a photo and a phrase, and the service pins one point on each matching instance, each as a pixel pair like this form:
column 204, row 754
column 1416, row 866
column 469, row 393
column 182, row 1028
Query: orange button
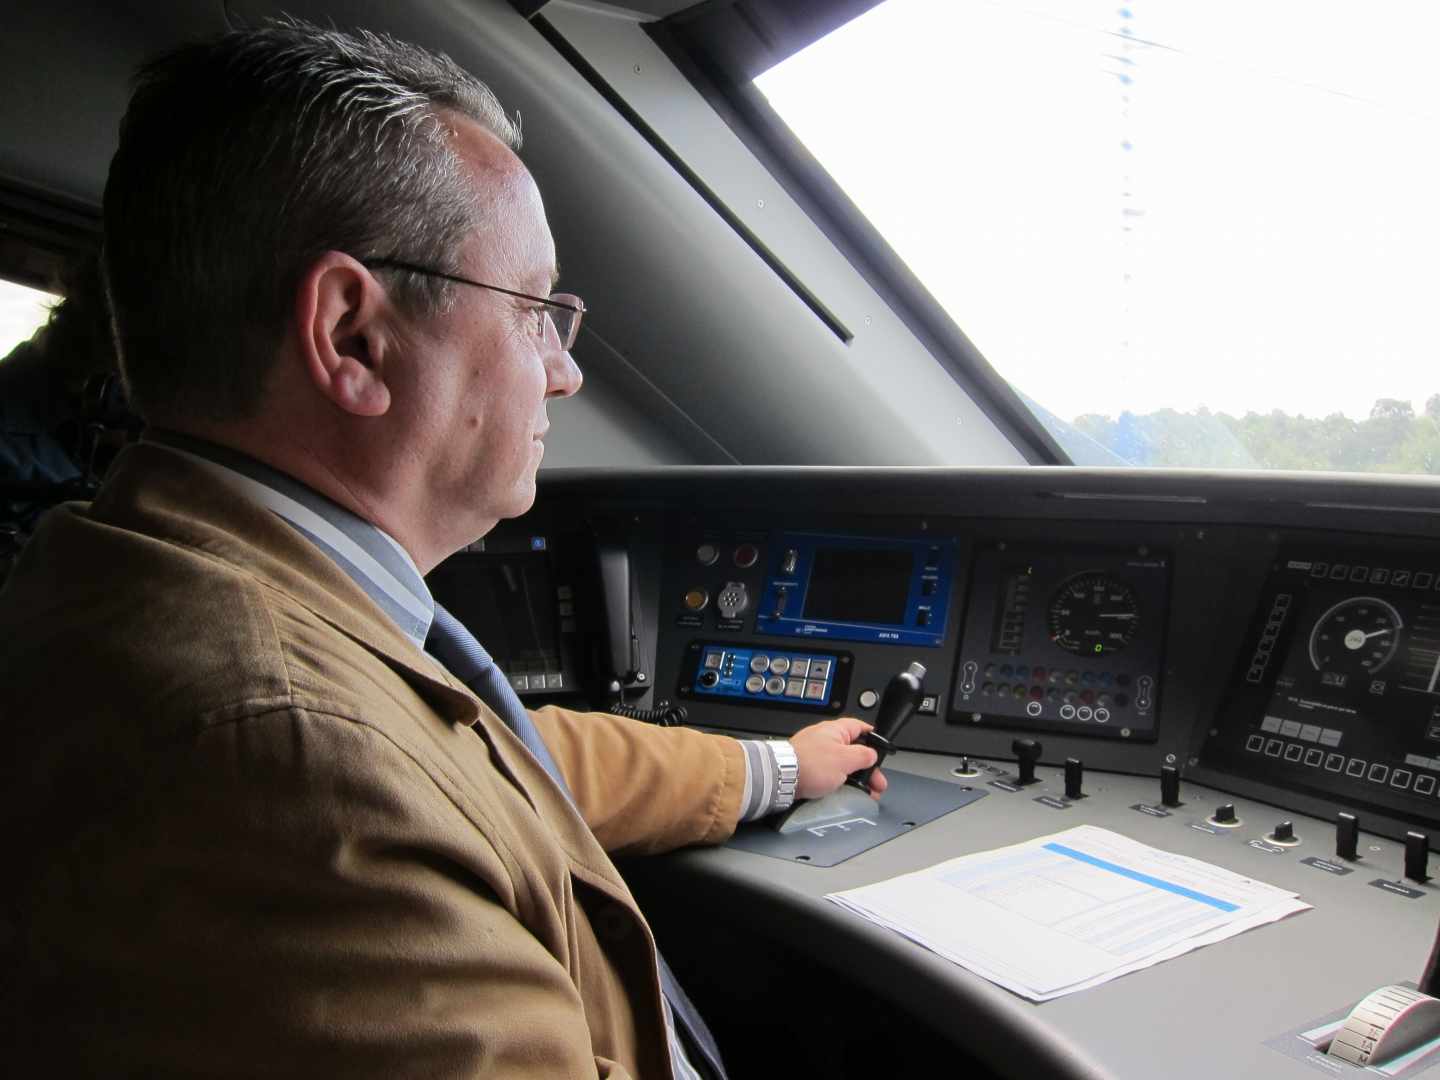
column 696, row 599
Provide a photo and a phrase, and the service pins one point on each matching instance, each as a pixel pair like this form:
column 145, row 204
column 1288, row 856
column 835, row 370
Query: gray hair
column 244, row 159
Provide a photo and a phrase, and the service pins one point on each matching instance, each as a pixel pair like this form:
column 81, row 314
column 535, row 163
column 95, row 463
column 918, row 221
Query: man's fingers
column 852, row 727
column 878, row 784
column 859, row 756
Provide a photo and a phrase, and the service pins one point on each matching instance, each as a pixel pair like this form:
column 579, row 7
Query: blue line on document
column 1168, row 886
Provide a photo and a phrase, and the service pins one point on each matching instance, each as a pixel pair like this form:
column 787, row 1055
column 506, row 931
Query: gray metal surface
column 1206, row 1014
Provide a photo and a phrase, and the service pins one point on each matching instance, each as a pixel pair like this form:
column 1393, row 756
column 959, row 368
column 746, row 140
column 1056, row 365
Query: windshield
column 1187, row 234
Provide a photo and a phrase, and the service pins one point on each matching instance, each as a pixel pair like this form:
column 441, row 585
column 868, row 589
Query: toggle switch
column 966, row 769
column 1347, row 836
column 1417, row 856
column 1074, row 778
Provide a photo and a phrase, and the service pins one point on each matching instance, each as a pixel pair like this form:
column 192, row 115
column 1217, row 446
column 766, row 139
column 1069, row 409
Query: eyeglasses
column 562, row 310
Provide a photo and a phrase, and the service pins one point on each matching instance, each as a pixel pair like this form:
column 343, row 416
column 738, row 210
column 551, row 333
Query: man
column 258, row 829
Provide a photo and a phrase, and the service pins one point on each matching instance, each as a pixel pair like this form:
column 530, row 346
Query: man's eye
column 539, row 313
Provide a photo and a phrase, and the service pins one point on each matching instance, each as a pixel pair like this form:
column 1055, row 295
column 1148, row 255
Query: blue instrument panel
column 886, row 590
column 763, row 675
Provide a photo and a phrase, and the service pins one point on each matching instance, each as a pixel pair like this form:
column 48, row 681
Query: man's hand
column 827, row 755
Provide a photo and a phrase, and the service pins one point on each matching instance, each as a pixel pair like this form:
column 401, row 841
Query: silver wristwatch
column 787, row 769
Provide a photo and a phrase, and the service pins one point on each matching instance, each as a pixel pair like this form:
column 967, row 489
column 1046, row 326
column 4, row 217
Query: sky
column 1154, row 204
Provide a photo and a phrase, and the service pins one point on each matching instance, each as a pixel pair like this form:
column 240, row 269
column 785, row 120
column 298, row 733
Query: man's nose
column 563, row 375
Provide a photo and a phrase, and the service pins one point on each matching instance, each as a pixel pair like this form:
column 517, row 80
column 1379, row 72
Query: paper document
column 1065, row 912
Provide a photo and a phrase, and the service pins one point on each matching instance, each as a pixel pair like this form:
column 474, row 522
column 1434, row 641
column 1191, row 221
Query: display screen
column 1338, row 688
column 1363, row 655
column 508, row 603
column 859, row 585
column 889, row 590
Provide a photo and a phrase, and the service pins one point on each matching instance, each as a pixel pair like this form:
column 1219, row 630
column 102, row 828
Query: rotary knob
column 1225, row 816
column 1283, row 834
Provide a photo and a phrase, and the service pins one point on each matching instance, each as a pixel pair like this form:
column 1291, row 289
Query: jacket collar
column 368, row 555
column 174, row 496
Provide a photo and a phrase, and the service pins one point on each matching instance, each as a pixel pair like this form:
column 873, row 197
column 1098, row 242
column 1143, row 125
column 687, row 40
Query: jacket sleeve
column 644, row 789
column 294, row 896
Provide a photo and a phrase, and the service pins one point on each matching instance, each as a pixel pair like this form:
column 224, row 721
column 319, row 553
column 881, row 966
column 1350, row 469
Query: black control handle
column 899, row 702
column 1417, row 856
column 1074, row 778
column 1347, row 839
column 1027, row 752
column 1169, row 786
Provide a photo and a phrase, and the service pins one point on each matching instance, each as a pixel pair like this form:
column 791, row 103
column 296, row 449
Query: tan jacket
column 258, row 833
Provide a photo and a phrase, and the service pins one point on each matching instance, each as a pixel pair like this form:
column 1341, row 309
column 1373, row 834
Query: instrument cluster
column 1067, row 640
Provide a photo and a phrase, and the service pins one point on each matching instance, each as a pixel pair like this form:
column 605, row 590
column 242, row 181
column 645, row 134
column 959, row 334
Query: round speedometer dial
column 1093, row 613
column 1358, row 636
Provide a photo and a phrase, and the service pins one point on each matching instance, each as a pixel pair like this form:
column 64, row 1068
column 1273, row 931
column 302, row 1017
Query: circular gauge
column 1093, row 613
column 1358, row 636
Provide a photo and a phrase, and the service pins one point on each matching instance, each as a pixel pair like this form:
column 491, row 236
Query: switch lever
column 1027, row 753
column 1169, row 785
column 1074, row 778
column 1417, row 856
column 1347, row 836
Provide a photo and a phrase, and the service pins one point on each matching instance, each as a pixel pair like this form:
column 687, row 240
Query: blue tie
column 455, row 647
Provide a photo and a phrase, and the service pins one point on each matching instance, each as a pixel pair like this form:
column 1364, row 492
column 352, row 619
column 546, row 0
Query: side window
column 31, row 449
column 62, row 411
column 27, row 451
column 22, row 311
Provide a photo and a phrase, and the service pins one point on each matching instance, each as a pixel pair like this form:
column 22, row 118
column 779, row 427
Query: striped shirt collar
column 371, row 557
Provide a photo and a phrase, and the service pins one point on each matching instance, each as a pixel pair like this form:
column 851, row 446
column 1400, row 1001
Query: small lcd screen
column 508, row 603
column 859, row 585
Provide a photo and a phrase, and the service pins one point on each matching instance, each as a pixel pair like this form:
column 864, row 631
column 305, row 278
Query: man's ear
column 340, row 334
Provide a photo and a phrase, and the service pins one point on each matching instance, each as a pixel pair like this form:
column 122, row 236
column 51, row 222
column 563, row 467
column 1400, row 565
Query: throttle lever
column 899, row 702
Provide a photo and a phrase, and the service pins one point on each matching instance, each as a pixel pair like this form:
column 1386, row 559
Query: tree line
column 1394, row 438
